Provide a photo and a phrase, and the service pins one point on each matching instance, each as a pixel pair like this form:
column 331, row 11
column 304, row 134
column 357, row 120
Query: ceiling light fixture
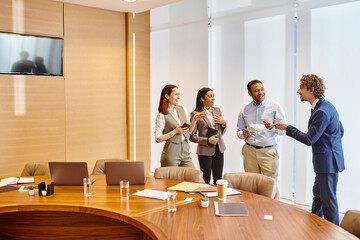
column 130, row 1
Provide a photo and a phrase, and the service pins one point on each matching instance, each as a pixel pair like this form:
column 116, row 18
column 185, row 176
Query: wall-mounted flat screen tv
column 30, row 55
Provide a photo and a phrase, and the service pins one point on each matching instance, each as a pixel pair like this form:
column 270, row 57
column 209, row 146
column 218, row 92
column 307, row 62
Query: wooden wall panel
column 32, row 129
column 139, row 113
column 38, row 132
column 32, row 17
column 95, row 86
column 6, row 15
column 81, row 116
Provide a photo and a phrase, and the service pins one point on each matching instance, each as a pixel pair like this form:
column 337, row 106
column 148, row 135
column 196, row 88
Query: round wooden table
column 69, row 215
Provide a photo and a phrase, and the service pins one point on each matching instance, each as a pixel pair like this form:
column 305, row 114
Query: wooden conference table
column 69, row 215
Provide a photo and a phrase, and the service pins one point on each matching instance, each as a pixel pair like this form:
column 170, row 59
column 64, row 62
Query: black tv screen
column 30, row 55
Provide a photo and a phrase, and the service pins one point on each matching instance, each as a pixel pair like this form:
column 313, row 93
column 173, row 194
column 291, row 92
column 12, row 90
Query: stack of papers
column 189, row 187
column 229, row 191
column 152, row 194
column 14, row 180
column 205, row 189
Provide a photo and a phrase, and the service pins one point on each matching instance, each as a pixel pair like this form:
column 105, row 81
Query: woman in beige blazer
column 211, row 147
column 169, row 127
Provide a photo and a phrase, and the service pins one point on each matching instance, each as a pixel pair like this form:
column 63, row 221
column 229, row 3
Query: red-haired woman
column 169, row 127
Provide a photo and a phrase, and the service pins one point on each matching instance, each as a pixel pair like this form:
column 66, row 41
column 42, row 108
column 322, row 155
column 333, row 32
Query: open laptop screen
column 132, row 171
column 68, row 173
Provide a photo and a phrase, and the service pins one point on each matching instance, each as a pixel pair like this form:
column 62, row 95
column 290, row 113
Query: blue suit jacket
column 324, row 135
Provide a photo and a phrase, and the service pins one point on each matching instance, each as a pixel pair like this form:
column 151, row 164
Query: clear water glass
column 124, row 189
column 171, row 201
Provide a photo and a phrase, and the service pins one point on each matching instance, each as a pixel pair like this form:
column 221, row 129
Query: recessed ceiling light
column 129, row 1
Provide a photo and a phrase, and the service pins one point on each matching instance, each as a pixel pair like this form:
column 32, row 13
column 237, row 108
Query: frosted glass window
column 265, row 44
column 178, row 56
column 245, row 48
column 254, row 39
column 218, row 6
column 183, row 12
column 265, row 55
column 335, row 54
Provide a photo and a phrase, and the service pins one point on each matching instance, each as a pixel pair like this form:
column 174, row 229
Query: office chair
column 35, row 169
column 180, row 173
column 351, row 222
column 99, row 168
column 252, row 182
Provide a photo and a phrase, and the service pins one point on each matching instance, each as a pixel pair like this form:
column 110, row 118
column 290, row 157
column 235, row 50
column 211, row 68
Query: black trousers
column 214, row 164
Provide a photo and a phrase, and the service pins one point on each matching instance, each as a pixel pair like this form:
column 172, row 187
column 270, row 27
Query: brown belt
column 260, row 147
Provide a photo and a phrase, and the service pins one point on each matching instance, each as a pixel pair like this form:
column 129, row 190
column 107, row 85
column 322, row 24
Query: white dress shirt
column 209, row 116
column 313, row 105
column 160, row 122
column 252, row 116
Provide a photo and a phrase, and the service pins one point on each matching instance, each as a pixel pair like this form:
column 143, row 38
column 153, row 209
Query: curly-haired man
column 324, row 135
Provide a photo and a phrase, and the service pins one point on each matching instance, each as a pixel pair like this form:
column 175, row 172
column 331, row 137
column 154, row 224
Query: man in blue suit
column 324, row 135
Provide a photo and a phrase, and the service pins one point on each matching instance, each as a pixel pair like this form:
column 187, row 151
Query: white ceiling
column 121, row 6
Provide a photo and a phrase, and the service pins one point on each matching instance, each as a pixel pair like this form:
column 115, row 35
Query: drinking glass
column 124, row 189
column 171, row 201
column 87, row 187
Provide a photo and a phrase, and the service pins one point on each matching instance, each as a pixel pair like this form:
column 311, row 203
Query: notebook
column 211, row 132
column 68, row 173
column 132, row 171
column 230, row 209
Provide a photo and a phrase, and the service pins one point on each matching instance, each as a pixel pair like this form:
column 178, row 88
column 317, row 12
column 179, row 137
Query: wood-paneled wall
column 81, row 116
column 32, row 17
column 138, row 47
column 95, row 70
column 32, row 109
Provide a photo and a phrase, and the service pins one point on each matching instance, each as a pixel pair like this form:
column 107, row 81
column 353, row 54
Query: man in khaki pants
column 256, row 125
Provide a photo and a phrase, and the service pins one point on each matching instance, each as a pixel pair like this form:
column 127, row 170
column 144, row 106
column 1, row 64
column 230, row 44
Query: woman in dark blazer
column 211, row 147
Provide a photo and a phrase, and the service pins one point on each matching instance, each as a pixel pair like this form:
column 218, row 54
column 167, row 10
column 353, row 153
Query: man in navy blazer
column 324, row 135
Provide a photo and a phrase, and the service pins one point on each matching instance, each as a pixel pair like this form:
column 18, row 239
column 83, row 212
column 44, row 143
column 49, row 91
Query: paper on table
column 229, row 191
column 26, row 180
column 206, row 189
column 10, row 180
column 152, row 194
column 14, row 180
column 188, row 186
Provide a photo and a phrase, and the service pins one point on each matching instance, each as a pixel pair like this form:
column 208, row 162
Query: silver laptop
column 132, row 171
column 68, row 173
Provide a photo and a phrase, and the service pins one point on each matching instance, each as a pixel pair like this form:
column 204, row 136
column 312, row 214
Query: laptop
column 132, row 171
column 68, row 173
